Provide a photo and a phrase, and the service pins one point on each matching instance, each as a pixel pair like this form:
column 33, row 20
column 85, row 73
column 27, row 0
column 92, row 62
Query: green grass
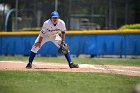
column 62, row 82
column 112, row 61
column 130, row 26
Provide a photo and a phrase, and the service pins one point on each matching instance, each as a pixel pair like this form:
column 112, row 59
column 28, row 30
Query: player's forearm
column 63, row 35
column 40, row 39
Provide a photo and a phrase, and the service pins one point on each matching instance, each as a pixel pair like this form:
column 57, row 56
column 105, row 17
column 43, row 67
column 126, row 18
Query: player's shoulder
column 61, row 21
column 47, row 21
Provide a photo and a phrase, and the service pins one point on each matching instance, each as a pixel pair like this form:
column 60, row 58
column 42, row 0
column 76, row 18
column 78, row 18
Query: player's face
column 54, row 20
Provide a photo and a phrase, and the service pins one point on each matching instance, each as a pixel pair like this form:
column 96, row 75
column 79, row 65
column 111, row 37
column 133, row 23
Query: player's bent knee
column 35, row 49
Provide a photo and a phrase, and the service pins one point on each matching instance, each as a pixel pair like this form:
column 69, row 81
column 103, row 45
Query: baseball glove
column 63, row 48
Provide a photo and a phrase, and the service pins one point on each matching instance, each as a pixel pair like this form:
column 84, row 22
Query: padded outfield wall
column 98, row 42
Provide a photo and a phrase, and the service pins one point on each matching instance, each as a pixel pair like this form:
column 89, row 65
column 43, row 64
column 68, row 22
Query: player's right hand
column 37, row 44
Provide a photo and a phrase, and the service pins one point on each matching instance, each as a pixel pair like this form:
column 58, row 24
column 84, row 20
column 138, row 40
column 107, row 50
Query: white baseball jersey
column 49, row 32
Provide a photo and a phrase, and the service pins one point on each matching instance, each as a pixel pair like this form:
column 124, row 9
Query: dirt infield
column 61, row 67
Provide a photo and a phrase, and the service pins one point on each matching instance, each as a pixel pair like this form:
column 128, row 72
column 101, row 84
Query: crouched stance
column 49, row 32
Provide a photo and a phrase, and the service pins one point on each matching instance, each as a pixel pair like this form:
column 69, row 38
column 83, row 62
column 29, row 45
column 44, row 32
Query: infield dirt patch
column 61, row 67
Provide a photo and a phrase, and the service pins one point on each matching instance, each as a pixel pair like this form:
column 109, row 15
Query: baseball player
column 49, row 32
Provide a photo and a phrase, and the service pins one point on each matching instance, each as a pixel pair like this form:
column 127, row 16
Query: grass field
column 62, row 82
column 112, row 61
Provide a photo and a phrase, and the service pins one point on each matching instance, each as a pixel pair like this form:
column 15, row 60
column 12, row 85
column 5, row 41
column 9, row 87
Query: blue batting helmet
column 54, row 14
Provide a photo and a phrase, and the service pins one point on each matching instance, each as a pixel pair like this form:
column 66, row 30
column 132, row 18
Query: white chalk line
column 80, row 65
column 86, row 66
column 50, row 64
column 112, row 69
column 129, row 67
column 119, row 70
column 89, row 66
column 12, row 61
column 56, row 64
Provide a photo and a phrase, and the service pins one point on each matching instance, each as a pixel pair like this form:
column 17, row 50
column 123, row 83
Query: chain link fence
column 78, row 14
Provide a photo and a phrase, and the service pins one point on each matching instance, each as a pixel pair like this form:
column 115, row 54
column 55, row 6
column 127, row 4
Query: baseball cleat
column 29, row 66
column 72, row 65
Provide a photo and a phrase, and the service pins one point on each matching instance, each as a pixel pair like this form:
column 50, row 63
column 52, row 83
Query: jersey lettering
column 53, row 30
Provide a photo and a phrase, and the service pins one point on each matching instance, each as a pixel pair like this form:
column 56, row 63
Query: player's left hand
column 63, row 48
column 62, row 42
